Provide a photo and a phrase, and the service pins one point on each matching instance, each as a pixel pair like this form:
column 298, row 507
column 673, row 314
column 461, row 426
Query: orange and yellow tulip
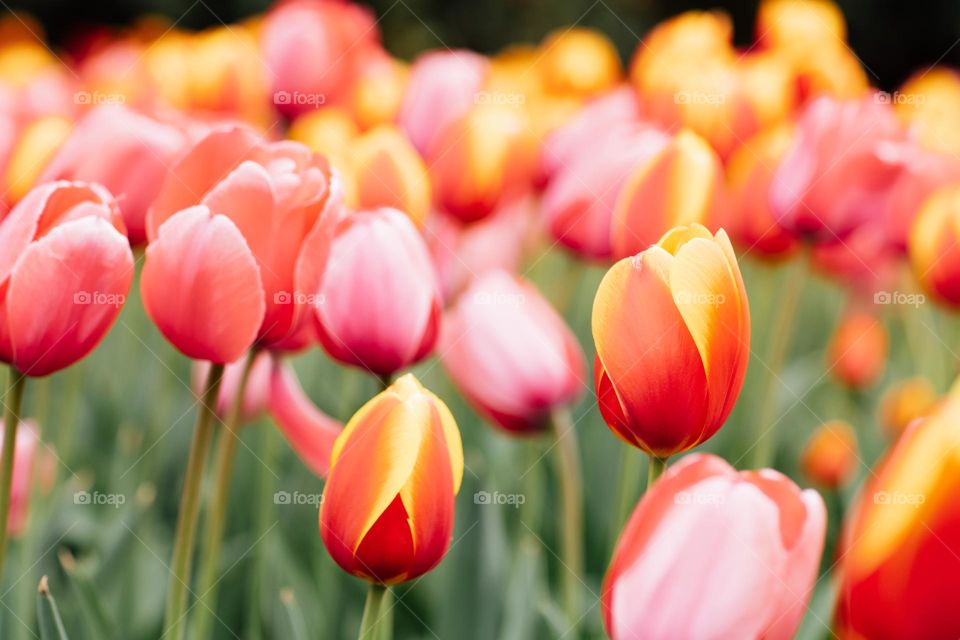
column 857, row 354
column 830, row 457
column 672, row 331
column 388, row 506
column 905, row 401
column 388, row 172
column 578, row 62
column 934, row 245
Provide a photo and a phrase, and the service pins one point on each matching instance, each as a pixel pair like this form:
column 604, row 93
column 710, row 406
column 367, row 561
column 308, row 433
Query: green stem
column 654, row 470
column 215, row 515
column 371, row 627
column 14, row 397
column 781, row 330
column 190, row 508
column 262, row 512
column 569, row 480
column 384, row 380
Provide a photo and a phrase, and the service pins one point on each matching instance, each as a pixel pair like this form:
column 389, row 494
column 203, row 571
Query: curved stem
column 372, row 625
column 571, row 491
column 189, row 509
column 655, row 470
column 780, row 330
column 12, row 400
column 215, row 515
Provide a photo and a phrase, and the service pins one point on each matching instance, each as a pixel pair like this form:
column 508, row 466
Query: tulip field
column 303, row 340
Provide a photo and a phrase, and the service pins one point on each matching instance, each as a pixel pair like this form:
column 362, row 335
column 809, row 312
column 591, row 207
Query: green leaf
column 296, row 627
column 91, row 607
column 51, row 626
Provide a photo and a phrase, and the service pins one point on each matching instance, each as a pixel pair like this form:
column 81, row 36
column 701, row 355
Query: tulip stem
column 781, row 330
column 571, row 532
column 372, row 626
column 190, row 508
column 14, row 397
column 215, row 515
column 655, row 469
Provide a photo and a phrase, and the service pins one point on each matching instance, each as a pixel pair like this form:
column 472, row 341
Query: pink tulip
column 256, row 394
column 443, row 86
column 65, row 269
column 26, row 456
column 379, row 305
column 710, row 552
column 246, row 263
column 510, row 353
column 839, row 170
column 309, row 431
column 126, row 152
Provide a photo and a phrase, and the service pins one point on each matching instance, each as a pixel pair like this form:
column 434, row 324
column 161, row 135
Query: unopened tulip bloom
column 711, row 552
column 932, row 108
column 379, row 302
column 857, row 354
column 247, row 258
column 830, row 456
column 35, row 145
column 377, row 93
column 510, row 353
column 388, row 172
column 578, row 62
column 898, row 556
column 65, row 269
column 27, row 455
column 387, row 512
column 132, row 153
column 682, row 184
column 672, row 331
column 905, row 401
column 935, row 245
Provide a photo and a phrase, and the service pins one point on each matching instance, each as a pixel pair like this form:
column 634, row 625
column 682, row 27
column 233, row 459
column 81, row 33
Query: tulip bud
column 933, row 110
column 579, row 62
column 510, row 353
column 897, row 556
column 672, row 331
column 376, row 95
column 28, row 453
column 388, row 506
column 389, row 172
column 680, row 185
column 65, row 269
column 857, row 353
column 934, row 245
column 379, row 303
column 38, row 142
column 905, row 401
column 830, row 457
column 758, row 533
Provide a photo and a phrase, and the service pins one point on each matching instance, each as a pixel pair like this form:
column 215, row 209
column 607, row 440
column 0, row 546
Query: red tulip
column 379, row 305
column 711, row 552
column 257, row 246
column 65, row 269
column 387, row 511
column 510, row 353
column 126, row 152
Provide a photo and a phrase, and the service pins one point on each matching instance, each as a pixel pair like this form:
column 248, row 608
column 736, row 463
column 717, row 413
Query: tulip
column 898, row 565
column 758, row 534
column 857, row 353
column 26, row 455
column 510, row 353
column 933, row 245
column 35, row 146
column 132, row 154
column 388, row 172
column 866, row 262
column 379, row 301
column 65, row 269
column 579, row 62
column 247, row 259
column 672, row 332
column 932, row 108
column 906, row 401
column 388, row 505
column 839, row 169
column 377, row 93
column 682, row 184
column 256, row 389
column 830, row 456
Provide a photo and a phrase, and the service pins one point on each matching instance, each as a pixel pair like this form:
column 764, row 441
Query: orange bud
column 857, row 353
column 933, row 245
column 578, row 61
column 905, row 401
column 390, row 173
column 830, row 457
column 387, row 512
column 672, row 332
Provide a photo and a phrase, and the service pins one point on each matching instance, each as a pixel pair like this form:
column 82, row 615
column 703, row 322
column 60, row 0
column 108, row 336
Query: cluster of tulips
column 284, row 187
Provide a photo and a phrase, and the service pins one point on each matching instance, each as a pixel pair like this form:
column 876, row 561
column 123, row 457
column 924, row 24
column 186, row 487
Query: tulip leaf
column 295, row 624
column 48, row 616
column 90, row 604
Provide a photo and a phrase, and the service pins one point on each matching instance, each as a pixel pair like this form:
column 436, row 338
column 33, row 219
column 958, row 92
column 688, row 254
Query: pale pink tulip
column 25, row 459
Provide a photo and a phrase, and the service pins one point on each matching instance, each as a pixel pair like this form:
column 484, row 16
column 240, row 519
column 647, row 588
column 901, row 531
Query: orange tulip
column 934, row 245
column 35, row 146
column 387, row 512
column 857, row 353
column 579, row 62
column 930, row 103
column 680, row 185
column 905, row 401
column 898, row 560
column 672, row 332
column 388, row 172
column 830, row 457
